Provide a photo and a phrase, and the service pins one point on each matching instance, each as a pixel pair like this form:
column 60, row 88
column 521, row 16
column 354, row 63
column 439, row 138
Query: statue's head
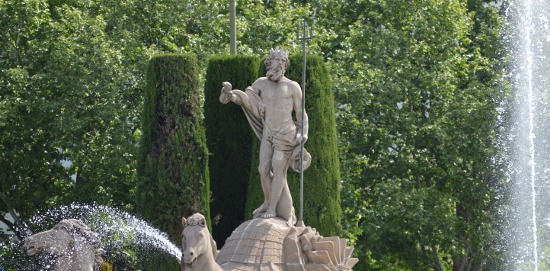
column 276, row 64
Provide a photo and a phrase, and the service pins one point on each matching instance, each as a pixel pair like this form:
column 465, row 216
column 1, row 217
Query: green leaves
column 262, row 26
column 414, row 83
column 64, row 109
column 416, row 130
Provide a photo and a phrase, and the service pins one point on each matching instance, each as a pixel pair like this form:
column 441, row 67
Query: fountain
column 119, row 232
column 527, row 142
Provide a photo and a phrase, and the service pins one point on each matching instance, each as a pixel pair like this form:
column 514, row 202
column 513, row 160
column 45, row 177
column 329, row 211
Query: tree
column 68, row 129
column 73, row 73
column 19, row 151
column 71, row 86
column 229, row 142
column 417, row 136
column 173, row 165
column 87, row 83
column 263, row 25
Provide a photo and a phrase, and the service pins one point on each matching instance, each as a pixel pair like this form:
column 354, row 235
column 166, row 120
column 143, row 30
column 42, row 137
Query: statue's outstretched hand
column 227, row 86
column 225, row 96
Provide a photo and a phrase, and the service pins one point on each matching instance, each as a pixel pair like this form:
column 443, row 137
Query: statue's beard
column 275, row 74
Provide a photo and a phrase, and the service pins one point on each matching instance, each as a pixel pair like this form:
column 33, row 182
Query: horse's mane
column 196, row 220
column 77, row 227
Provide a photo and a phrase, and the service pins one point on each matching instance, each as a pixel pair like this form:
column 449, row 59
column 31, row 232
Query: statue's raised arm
column 238, row 97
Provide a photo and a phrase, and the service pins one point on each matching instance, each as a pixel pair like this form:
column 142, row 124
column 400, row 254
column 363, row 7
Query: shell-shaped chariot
column 270, row 244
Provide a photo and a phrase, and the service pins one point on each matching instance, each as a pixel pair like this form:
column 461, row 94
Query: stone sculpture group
column 271, row 241
column 264, row 244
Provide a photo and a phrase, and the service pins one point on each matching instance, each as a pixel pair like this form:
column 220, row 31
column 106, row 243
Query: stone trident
column 304, row 38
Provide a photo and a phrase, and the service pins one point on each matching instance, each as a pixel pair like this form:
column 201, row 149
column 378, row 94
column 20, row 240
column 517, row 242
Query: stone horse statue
column 198, row 246
column 72, row 243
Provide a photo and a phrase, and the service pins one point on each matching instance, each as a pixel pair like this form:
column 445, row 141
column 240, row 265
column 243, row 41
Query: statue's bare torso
column 279, row 99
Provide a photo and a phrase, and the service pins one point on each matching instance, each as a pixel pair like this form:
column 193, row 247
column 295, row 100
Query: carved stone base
column 272, row 245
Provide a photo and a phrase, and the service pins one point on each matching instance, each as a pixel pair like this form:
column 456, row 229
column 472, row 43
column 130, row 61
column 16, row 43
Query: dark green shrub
column 322, row 179
column 173, row 178
column 229, row 140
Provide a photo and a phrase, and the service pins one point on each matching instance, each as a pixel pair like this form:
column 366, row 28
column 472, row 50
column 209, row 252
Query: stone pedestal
column 271, row 244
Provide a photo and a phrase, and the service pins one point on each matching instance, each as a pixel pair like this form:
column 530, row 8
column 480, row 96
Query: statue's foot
column 260, row 209
column 269, row 214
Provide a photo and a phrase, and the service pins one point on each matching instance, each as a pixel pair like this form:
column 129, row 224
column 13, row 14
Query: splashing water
column 113, row 226
column 528, row 142
column 119, row 232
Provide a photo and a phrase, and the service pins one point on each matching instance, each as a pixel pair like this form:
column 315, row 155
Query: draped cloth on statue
column 281, row 140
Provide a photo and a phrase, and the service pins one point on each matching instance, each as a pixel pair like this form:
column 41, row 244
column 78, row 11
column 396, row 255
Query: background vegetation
column 416, row 84
column 173, row 176
column 229, row 142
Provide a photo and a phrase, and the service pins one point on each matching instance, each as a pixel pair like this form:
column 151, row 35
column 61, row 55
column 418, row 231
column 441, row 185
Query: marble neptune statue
column 269, row 105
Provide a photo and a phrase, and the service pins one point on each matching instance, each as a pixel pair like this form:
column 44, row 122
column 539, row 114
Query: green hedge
column 173, row 178
column 229, row 140
column 322, row 179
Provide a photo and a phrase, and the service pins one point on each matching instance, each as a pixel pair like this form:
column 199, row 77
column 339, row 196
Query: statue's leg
column 284, row 207
column 280, row 164
column 266, row 175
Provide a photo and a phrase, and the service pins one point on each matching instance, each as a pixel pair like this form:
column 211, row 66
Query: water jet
column 526, row 141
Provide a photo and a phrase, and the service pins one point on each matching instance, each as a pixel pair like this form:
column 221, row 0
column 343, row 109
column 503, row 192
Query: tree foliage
column 417, row 129
column 414, row 82
column 229, row 142
column 66, row 116
column 173, row 177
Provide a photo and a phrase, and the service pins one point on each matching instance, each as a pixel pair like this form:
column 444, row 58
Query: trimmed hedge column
column 229, row 140
column 322, row 179
column 173, row 178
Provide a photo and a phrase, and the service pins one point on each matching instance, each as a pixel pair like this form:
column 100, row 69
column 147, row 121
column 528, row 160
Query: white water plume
column 528, row 139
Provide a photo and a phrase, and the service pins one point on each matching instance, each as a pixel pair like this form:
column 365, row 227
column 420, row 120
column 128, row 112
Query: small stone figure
column 73, row 244
column 268, row 105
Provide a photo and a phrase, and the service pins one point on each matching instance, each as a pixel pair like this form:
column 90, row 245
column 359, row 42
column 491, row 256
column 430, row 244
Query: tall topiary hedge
column 229, row 140
column 173, row 178
column 322, row 179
